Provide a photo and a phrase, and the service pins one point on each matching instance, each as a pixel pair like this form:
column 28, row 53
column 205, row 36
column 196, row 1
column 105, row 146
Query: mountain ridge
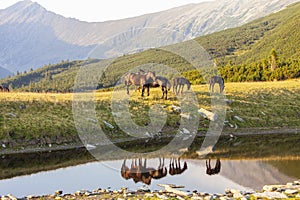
column 223, row 46
column 26, row 45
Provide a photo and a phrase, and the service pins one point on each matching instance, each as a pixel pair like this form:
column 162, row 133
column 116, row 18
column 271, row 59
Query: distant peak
column 21, row 5
column 24, row 4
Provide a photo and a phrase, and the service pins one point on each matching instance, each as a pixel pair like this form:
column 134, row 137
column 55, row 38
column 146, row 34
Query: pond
column 70, row 171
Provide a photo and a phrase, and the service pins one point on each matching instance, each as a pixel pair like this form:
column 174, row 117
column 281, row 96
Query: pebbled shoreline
column 289, row 190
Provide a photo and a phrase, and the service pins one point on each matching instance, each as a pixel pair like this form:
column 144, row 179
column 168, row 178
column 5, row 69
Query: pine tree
column 273, row 60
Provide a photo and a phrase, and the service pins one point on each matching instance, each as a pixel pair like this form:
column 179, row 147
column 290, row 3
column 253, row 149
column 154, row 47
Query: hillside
column 254, row 41
column 246, row 48
column 31, row 36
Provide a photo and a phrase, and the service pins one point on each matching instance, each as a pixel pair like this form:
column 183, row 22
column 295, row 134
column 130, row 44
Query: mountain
column 4, row 73
column 31, row 36
column 247, row 44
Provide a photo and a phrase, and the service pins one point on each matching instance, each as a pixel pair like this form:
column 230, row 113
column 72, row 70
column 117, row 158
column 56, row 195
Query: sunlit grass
column 48, row 117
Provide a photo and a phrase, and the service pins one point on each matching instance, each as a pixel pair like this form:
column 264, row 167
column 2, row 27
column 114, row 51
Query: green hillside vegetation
column 266, row 49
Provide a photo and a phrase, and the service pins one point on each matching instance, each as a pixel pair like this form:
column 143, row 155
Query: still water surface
column 237, row 174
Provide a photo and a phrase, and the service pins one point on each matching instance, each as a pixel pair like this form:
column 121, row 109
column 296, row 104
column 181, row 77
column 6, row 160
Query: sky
column 103, row 10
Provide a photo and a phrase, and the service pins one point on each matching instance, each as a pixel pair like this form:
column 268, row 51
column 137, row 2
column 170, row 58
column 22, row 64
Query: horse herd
column 140, row 172
column 145, row 80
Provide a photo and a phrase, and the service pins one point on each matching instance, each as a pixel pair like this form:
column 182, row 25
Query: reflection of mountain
column 253, row 174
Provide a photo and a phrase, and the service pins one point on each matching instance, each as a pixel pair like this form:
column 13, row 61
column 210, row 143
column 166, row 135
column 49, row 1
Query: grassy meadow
column 43, row 119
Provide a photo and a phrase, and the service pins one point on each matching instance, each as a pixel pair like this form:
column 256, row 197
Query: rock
column 269, row 188
column 224, row 198
column 185, row 131
column 289, row 191
column 196, row 198
column 162, row 196
column 237, row 195
column 183, row 150
column 229, row 101
column 297, row 182
column 11, row 197
column 11, row 114
column 148, row 195
column 186, row 116
column 239, row 118
column 108, row 124
column 233, row 191
column 58, row 192
column 230, row 125
column 209, row 197
column 289, row 184
column 89, row 146
column 207, row 114
column 270, row 195
column 176, row 108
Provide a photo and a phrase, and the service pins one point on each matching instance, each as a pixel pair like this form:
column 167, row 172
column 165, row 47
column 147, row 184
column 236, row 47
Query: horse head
column 151, row 75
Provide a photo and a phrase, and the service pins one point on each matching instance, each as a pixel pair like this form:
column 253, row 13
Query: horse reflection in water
column 215, row 170
column 139, row 171
column 175, row 167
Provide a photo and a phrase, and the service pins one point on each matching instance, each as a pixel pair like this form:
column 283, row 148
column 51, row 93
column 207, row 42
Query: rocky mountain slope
column 31, row 36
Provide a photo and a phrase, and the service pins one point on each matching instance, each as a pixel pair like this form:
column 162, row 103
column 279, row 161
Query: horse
column 138, row 171
column 175, row 170
column 180, row 81
column 142, row 80
column 161, row 171
column 165, row 85
column 216, row 79
column 4, row 88
column 215, row 170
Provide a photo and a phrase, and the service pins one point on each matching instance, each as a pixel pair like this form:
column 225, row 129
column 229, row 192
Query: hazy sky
column 102, row 10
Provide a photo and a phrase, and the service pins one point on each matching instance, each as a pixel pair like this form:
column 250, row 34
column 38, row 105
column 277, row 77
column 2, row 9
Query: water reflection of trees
column 140, row 172
column 215, row 170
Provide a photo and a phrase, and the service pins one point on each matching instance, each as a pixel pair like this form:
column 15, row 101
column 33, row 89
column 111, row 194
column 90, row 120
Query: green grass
column 40, row 119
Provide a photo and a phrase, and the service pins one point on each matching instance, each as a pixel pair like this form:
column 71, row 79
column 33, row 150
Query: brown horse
column 4, row 88
column 216, row 79
column 175, row 168
column 161, row 171
column 180, row 81
column 138, row 171
column 139, row 79
column 165, row 85
column 215, row 170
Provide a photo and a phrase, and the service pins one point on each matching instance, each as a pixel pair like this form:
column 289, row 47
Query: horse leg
column 127, row 86
column 182, row 88
column 166, row 91
column 143, row 90
column 173, row 87
column 178, row 89
column 148, row 90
